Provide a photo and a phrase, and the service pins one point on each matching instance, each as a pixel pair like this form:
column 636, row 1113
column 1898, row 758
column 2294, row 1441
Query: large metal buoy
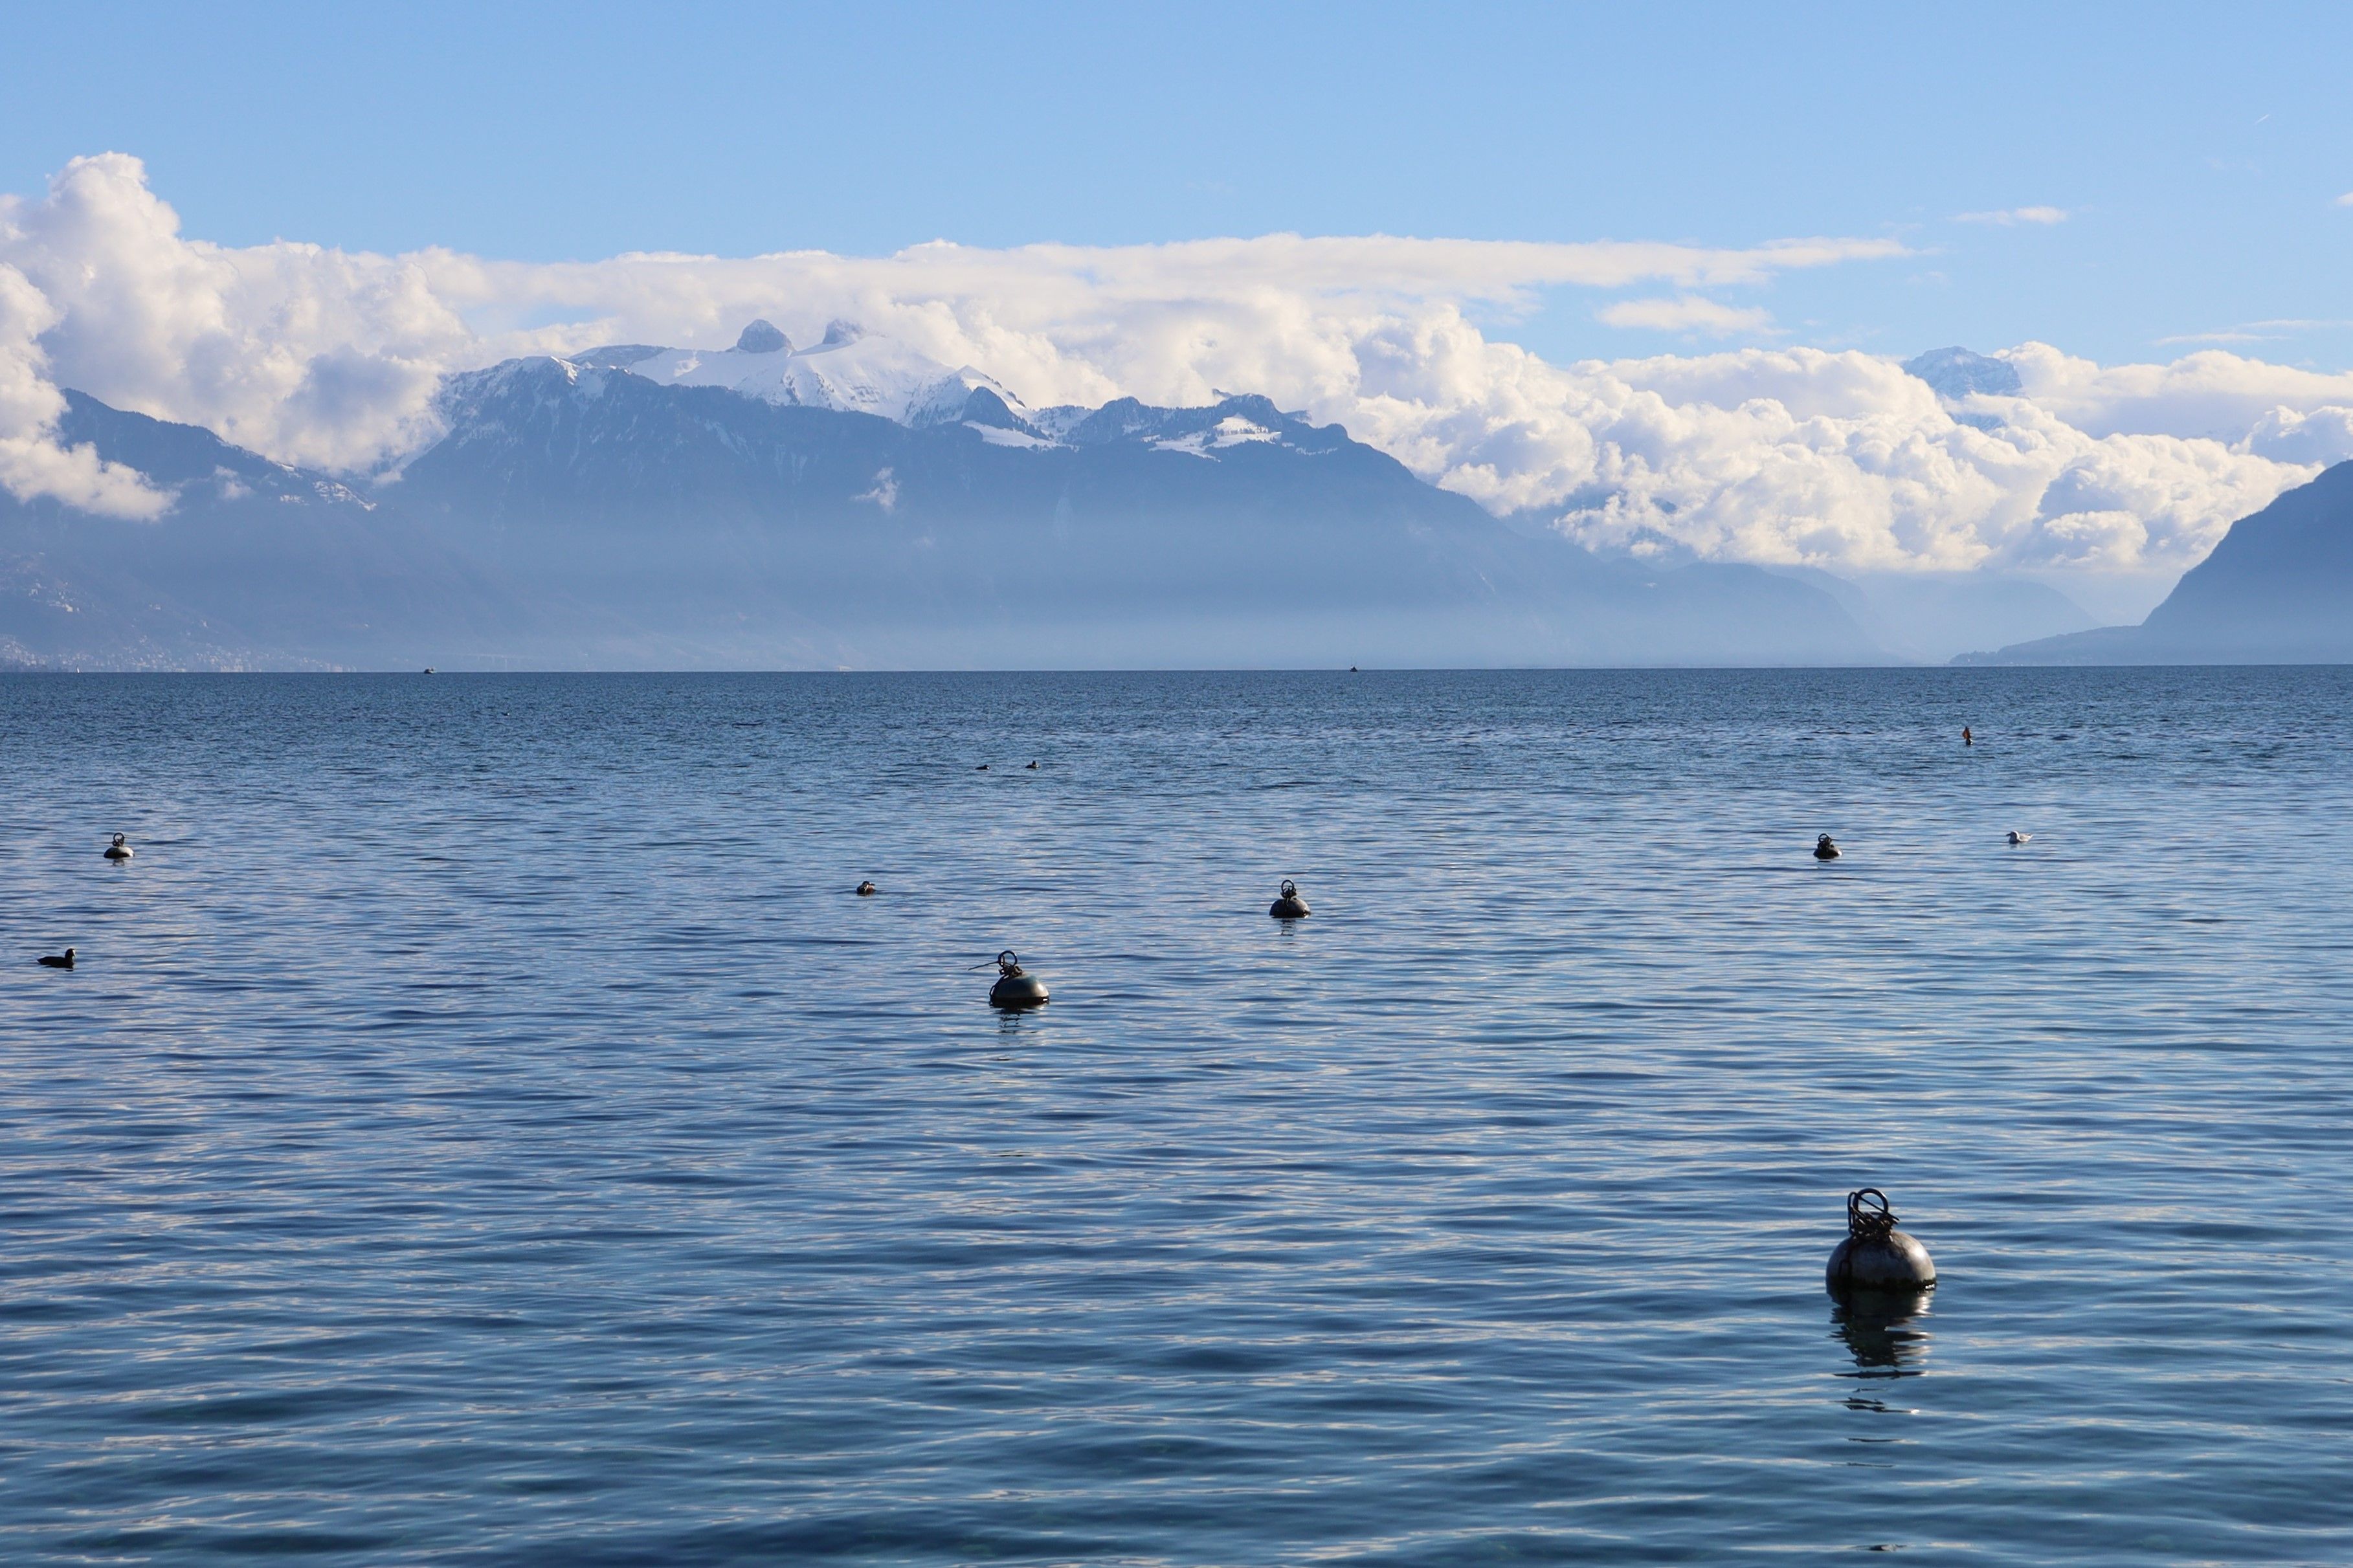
column 1288, row 905
column 1015, row 986
column 1875, row 1256
column 1825, row 849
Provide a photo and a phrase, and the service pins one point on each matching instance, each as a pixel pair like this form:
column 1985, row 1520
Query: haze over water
column 485, row 1126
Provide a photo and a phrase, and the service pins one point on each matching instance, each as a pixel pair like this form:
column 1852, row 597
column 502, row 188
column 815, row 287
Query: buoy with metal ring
column 1289, row 905
column 1015, row 986
column 1875, row 1256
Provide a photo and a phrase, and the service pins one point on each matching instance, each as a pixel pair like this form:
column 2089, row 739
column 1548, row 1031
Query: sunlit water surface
column 484, row 1125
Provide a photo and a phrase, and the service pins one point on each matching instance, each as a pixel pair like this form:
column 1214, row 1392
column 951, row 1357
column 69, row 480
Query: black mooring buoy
column 1289, row 905
column 1824, row 849
column 58, row 960
column 1015, row 986
column 1875, row 1256
column 867, row 890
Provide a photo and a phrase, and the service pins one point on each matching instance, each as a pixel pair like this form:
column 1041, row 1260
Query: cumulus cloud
column 1688, row 313
column 1802, row 457
column 33, row 461
column 310, row 354
column 2010, row 216
column 1784, row 455
column 2213, row 394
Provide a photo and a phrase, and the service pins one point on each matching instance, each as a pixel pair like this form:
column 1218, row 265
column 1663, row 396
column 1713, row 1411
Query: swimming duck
column 1033, row 767
column 1290, row 906
column 2018, row 838
column 1824, row 849
column 982, row 769
column 867, row 890
column 118, row 850
column 55, row 960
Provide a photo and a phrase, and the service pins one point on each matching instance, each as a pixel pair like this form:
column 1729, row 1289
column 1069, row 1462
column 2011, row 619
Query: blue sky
column 2196, row 152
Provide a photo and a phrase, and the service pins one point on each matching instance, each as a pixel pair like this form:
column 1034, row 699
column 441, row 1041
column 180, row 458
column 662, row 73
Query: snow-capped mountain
column 850, row 371
column 853, row 504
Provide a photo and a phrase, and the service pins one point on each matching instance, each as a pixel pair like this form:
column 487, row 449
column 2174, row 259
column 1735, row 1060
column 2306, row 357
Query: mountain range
column 852, row 503
column 849, row 504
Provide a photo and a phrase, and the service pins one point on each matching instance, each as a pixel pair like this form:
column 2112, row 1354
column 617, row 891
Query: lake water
column 483, row 1126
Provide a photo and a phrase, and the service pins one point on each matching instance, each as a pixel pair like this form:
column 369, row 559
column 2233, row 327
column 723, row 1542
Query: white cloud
column 329, row 358
column 1797, row 456
column 2212, row 394
column 2011, row 216
column 2346, row 200
column 1686, row 313
column 309, row 355
column 33, row 462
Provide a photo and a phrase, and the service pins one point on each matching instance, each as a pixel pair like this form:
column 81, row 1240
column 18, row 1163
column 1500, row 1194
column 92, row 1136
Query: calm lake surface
column 485, row 1126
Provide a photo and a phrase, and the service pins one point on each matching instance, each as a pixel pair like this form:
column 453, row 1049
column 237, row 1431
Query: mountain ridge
column 2277, row 589
column 574, row 513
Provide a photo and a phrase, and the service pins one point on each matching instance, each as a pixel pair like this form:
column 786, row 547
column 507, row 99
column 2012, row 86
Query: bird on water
column 867, row 890
column 2018, row 838
column 118, row 850
column 1824, row 849
column 58, row 960
column 1968, row 739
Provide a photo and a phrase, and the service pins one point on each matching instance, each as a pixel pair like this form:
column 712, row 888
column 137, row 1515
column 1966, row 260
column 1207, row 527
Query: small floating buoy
column 2018, row 838
column 867, row 890
column 1289, row 905
column 118, row 850
column 1015, row 986
column 1875, row 1256
column 58, row 960
column 1824, row 849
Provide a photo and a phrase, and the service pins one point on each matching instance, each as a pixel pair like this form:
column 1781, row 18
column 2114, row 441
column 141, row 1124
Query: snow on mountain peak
column 852, row 371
